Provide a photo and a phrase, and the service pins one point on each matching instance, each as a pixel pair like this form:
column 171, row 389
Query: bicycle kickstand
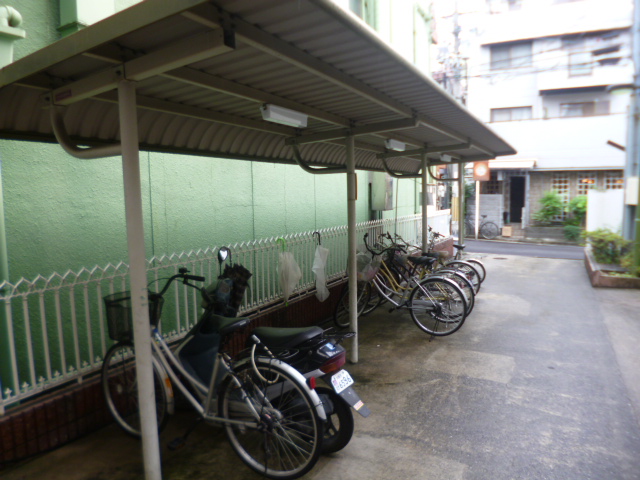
column 179, row 442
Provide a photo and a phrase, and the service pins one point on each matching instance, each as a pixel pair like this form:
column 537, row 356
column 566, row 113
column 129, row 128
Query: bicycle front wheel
column 276, row 431
column 489, row 230
column 120, row 388
column 438, row 306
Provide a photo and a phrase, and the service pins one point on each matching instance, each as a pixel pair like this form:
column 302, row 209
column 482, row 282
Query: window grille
column 586, row 181
column 614, row 181
column 560, row 184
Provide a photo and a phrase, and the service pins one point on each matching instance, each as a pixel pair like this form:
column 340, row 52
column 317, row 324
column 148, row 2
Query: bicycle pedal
column 176, row 443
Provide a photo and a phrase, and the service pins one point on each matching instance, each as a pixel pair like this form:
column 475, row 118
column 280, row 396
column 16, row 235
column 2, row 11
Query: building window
column 514, row 4
column 586, row 181
column 510, row 114
column 613, row 181
column 580, row 64
column 584, row 109
column 491, row 187
column 560, row 184
column 511, row 55
column 366, row 10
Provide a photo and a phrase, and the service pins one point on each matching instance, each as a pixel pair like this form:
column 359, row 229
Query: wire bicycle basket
column 120, row 317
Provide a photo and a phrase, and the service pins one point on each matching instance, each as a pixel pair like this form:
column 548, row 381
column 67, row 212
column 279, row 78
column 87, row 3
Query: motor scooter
column 314, row 352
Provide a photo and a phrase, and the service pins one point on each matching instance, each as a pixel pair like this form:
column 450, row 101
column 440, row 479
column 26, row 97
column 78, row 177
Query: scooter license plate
column 341, row 381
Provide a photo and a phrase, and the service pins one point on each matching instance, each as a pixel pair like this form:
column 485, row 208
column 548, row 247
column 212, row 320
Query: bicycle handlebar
column 183, row 274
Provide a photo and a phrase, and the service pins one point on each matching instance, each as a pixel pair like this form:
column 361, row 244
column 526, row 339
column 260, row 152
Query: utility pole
column 632, row 169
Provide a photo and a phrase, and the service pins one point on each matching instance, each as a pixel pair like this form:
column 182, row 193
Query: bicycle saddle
column 281, row 338
column 218, row 324
column 458, row 246
column 425, row 260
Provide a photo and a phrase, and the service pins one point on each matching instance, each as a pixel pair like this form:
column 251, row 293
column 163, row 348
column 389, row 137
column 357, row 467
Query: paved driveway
column 540, row 383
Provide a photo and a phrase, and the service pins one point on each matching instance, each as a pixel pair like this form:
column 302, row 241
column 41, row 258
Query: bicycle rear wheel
column 341, row 312
column 438, row 306
column 479, row 266
column 464, row 284
column 120, row 388
column 489, row 230
column 277, row 430
column 468, row 270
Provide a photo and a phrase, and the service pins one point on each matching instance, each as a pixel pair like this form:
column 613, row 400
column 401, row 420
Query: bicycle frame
column 207, row 408
column 398, row 289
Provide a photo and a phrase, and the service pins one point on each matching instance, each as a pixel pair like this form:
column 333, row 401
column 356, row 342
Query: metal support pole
column 425, row 196
column 351, row 221
column 461, row 224
column 6, row 371
column 633, row 162
column 477, row 226
column 138, row 278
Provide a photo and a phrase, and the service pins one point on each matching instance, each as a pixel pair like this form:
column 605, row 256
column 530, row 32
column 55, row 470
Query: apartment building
column 545, row 74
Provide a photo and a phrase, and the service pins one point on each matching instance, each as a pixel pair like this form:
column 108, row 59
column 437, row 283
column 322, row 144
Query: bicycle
column 419, row 267
column 487, row 229
column 271, row 417
column 474, row 261
column 470, row 270
column 436, row 304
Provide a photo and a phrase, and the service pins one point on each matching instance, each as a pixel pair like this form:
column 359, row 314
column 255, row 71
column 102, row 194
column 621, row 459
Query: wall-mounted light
column 284, row 116
column 396, row 145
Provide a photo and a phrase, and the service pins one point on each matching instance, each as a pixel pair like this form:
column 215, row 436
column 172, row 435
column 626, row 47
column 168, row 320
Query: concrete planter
column 599, row 274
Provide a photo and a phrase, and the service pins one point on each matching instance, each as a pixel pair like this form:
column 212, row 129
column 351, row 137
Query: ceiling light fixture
column 284, row 116
column 392, row 144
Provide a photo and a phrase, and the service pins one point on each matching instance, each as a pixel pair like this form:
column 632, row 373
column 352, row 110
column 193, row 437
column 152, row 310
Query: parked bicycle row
column 438, row 292
column 276, row 416
column 285, row 399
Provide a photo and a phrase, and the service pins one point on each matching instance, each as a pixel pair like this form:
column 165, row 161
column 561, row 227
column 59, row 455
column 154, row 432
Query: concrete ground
column 542, row 382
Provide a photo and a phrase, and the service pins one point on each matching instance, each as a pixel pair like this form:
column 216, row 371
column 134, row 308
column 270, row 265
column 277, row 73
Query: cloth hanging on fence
column 289, row 273
column 319, row 264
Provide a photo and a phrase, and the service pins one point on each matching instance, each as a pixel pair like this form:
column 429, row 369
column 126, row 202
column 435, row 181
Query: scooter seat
column 276, row 338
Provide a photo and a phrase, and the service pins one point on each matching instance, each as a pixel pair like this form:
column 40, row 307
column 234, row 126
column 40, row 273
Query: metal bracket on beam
column 398, row 175
column 315, row 171
column 199, row 47
column 420, row 151
column 373, row 128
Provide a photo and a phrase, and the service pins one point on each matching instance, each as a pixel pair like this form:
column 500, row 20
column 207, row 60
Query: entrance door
column 516, row 199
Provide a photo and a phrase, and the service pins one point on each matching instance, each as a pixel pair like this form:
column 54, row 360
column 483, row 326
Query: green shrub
column 577, row 210
column 607, row 246
column 627, row 262
column 552, row 206
column 573, row 233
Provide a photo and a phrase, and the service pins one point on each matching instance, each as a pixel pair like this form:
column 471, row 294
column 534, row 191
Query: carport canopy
column 194, row 77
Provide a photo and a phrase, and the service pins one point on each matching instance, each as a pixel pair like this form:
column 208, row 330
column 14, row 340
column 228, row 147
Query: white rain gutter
column 60, row 131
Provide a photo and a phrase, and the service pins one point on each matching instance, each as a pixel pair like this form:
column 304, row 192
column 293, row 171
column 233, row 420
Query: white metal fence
column 56, row 330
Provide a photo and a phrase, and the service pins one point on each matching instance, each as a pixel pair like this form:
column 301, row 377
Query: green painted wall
column 63, row 213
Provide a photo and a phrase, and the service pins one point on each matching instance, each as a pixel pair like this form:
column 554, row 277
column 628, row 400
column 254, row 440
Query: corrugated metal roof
column 204, row 68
